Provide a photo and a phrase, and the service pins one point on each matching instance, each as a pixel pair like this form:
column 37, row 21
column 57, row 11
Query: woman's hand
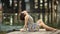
column 22, row 30
column 25, row 27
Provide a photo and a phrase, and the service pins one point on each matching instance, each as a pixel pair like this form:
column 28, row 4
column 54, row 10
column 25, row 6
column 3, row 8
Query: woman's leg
column 41, row 23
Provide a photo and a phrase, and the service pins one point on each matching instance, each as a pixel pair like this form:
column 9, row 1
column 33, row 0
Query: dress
column 31, row 25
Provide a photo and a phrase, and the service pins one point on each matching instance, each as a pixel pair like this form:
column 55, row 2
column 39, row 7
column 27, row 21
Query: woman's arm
column 26, row 20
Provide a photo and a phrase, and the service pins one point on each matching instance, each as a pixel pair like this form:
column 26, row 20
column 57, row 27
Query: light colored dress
column 31, row 25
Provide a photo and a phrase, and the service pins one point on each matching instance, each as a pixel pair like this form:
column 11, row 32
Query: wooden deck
column 40, row 32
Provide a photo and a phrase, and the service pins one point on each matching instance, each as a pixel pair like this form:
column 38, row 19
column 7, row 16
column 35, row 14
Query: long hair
column 22, row 16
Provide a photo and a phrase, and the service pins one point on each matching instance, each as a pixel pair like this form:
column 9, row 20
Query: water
column 7, row 28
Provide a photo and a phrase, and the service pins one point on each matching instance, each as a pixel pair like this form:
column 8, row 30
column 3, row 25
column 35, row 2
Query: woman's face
column 24, row 12
column 22, row 15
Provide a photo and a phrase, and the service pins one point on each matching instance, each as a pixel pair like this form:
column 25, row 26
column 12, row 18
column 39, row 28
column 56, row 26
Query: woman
column 29, row 23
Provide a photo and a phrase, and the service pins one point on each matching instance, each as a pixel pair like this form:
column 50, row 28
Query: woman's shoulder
column 26, row 16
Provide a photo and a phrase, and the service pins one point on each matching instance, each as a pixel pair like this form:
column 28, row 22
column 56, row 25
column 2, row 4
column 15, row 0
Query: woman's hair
column 22, row 16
